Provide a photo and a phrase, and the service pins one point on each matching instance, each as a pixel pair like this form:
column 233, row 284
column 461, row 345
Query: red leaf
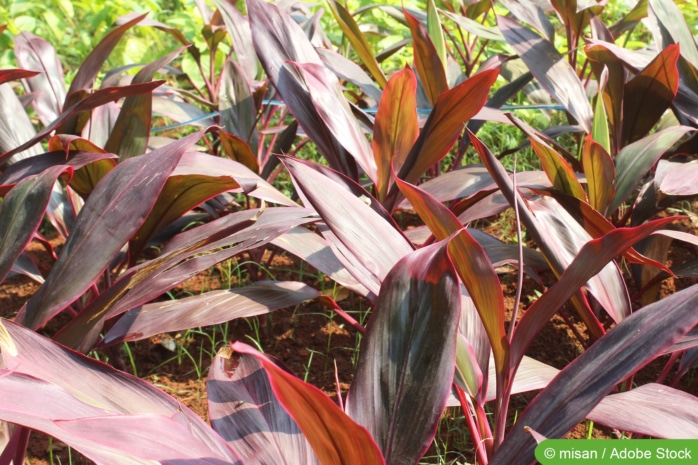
column 335, row 438
column 426, row 60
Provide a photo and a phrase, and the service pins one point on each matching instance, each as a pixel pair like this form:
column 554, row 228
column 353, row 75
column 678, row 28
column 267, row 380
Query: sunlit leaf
column 396, row 126
column 550, row 68
column 570, row 396
column 335, row 438
column 429, row 66
column 357, row 40
column 246, row 413
column 600, row 173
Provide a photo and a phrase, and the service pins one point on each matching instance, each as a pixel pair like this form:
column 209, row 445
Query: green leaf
column 435, row 32
column 357, row 40
column 407, row 362
column 599, row 129
column 396, row 126
column 335, row 438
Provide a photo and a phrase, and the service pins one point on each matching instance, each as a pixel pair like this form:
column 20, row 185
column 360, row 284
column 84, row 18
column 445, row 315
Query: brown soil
column 311, row 342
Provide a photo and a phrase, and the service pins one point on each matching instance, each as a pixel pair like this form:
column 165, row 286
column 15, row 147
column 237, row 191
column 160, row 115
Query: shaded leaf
column 335, row 438
column 629, row 411
column 136, row 185
column 238, row 150
column 635, row 160
column 560, row 173
column 95, row 99
column 550, row 68
column 406, row 368
column 209, row 308
column 622, row 351
column 240, row 33
column 246, row 413
column 237, row 107
column 333, row 110
column 129, row 136
column 649, row 94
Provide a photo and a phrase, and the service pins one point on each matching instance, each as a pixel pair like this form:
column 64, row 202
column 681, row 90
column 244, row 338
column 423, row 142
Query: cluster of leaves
column 269, row 83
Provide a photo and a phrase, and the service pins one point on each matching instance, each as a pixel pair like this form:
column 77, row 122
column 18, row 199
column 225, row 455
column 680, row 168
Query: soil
column 313, row 344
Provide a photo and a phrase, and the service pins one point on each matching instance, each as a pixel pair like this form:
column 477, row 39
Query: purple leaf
column 565, row 237
column 15, row 127
column 550, row 68
column 74, row 391
column 209, row 308
column 674, row 413
column 618, row 354
column 184, row 256
column 635, row 160
column 375, row 242
column 240, row 35
column 35, row 53
column 113, row 213
column 130, row 133
column 406, row 368
column 93, row 63
column 245, row 412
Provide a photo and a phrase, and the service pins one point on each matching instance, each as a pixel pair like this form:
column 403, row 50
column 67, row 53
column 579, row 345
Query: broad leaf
column 396, row 127
column 674, row 413
column 445, row 123
column 600, row 173
column 550, row 68
column 649, row 94
column 91, row 101
column 209, row 308
column 89, row 69
column 116, row 209
column 245, row 412
column 335, row 438
column 236, row 106
column 184, row 256
column 407, row 362
column 15, row 127
column 427, row 62
column 108, row 415
column 129, row 136
column 674, row 22
column 471, row 263
column 622, row 351
column 240, row 34
column 374, row 241
column 560, row 173
column 636, row 159
column 35, row 53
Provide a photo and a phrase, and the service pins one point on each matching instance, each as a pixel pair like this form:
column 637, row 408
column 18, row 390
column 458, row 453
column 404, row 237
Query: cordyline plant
column 438, row 333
